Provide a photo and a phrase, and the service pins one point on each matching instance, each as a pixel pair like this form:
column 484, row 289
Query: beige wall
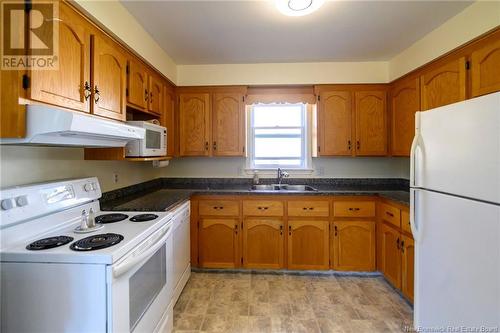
column 24, row 165
column 324, row 168
column 472, row 22
column 113, row 15
column 284, row 73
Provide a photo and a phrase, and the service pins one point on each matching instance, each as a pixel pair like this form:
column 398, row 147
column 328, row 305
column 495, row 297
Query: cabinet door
column 155, row 99
column 65, row 86
column 408, row 273
column 168, row 120
column 443, row 85
column 371, row 125
column 137, row 84
column 335, row 124
column 263, row 243
column 218, row 243
column 228, row 130
column 405, row 101
column 485, row 69
column 110, row 75
column 194, row 114
column 353, row 245
column 391, row 255
column 308, row 245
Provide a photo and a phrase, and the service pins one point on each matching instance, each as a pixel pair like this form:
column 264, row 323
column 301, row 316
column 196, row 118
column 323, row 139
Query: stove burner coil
column 110, row 218
column 96, row 242
column 143, row 217
column 49, row 243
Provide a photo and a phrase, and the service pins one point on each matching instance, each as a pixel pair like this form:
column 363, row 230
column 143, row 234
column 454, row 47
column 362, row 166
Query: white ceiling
column 223, row 32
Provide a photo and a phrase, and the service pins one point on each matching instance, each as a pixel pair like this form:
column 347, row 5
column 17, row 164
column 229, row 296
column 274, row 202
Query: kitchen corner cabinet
column 353, row 245
column 308, row 244
column 371, row 123
column 168, row 120
column 335, row 124
column 137, row 84
column 263, row 243
column 228, row 128
column 404, row 103
column 70, row 85
column 194, row 124
column 218, row 243
column 485, row 69
column 212, row 123
column 109, row 79
column 444, row 84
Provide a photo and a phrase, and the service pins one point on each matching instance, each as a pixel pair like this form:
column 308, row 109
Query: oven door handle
column 128, row 263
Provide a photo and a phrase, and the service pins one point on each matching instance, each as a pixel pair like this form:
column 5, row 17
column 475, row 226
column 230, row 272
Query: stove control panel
column 27, row 202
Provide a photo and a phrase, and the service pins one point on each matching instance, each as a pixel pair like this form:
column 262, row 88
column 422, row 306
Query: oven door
column 140, row 286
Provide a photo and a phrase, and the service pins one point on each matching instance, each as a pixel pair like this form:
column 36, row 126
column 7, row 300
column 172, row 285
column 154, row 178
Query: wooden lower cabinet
column 353, row 245
column 218, row 243
column 408, row 269
column 263, row 245
column 391, row 255
column 308, row 244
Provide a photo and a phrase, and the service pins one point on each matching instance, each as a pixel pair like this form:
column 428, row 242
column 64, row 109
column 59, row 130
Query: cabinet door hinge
column 127, row 69
column 319, row 149
column 243, row 98
column 242, row 260
column 319, row 97
column 198, row 224
column 467, row 64
column 126, row 92
column 26, row 81
column 243, row 149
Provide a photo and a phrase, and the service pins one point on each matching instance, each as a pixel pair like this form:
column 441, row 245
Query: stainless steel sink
column 283, row 187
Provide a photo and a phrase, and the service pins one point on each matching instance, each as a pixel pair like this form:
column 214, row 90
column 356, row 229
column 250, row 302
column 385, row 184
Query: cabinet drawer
column 308, row 208
column 354, row 209
column 219, row 208
column 390, row 214
column 405, row 221
column 263, row 208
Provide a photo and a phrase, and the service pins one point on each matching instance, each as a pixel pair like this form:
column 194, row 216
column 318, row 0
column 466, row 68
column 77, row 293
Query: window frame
column 305, row 136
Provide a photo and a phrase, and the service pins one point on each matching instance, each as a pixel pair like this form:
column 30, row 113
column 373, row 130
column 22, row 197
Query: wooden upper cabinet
column 194, row 124
column 66, row 86
column 263, row 243
column 485, row 69
column 408, row 267
column 308, row 244
column 137, row 85
column 371, row 124
column 405, row 102
column 335, row 124
column 218, row 243
column 228, row 130
column 353, row 245
column 391, row 255
column 109, row 68
column 168, row 120
column 443, row 85
column 155, row 98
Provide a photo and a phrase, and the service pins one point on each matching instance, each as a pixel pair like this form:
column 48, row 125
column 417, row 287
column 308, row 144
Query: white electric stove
column 55, row 277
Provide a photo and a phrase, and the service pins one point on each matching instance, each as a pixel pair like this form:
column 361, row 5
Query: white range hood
column 52, row 126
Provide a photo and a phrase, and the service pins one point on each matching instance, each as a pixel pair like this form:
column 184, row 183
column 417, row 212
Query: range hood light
column 298, row 7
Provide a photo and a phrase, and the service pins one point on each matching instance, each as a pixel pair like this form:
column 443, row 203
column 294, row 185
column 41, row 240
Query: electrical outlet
column 115, row 177
column 239, row 171
column 321, row 171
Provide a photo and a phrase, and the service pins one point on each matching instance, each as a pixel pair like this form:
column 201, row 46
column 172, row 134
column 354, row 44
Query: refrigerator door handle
column 415, row 229
column 413, row 150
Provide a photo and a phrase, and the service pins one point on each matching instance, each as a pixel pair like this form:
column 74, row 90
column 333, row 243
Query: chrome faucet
column 282, row 174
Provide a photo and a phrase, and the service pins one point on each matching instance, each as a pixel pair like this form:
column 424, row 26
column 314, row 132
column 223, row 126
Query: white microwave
column 153, row 144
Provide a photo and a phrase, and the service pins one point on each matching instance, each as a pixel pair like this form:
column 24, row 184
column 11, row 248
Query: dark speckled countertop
column 165, row 193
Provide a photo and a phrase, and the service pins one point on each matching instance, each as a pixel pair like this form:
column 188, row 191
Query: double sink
column 283, row 188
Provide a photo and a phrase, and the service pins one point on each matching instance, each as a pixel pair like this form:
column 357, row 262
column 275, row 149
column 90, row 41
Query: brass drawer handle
column 218, row 207
column 307, row 208
column 354, row 209
column 262, row 208
column 390, row 214
column 281, row 230
column 289, row 230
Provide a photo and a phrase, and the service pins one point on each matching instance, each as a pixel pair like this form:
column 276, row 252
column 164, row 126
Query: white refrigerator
column 455, row 216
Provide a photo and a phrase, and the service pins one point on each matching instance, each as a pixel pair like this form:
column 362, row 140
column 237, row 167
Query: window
column 278, row 136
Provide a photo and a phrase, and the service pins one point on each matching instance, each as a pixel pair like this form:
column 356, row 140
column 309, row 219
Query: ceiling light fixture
column 298, row 7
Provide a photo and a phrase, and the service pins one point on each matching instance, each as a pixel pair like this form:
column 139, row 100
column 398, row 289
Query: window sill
column 272, row 172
